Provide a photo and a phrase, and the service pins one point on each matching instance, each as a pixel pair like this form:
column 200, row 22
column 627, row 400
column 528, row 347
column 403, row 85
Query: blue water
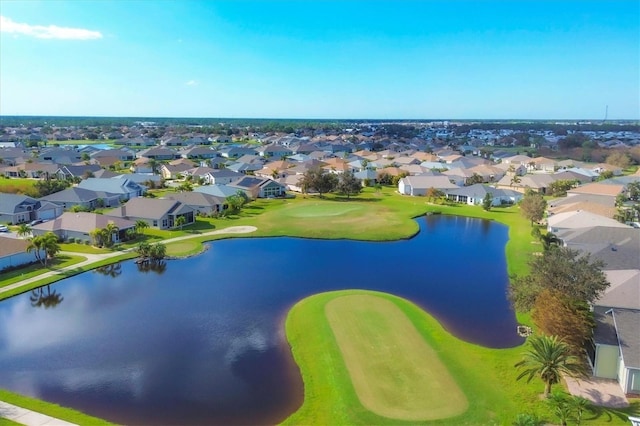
column 201, row 341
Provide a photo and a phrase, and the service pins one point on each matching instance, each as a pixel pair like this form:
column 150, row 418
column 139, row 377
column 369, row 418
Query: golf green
column 395, row 373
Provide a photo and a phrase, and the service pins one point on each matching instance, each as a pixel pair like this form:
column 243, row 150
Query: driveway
column 601, row 392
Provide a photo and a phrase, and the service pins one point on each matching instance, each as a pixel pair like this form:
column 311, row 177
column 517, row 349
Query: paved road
column 93, row 258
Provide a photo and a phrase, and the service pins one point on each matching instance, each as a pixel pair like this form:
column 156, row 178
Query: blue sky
column 322, row 59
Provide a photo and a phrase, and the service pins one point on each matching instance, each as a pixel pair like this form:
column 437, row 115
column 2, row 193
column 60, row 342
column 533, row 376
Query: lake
column 202, row 340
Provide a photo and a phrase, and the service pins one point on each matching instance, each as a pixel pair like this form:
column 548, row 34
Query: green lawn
column 17, row 185
column 50, row 409
column 184, row 248
column 35, row 269
column 486, row 376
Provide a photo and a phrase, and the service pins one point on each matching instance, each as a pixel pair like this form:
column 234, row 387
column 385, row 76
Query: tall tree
column 348, row 184
column 548, row 358
column 532, row 206
column 574, row 274
column 487, row 201
column 318, row 180
column 556, row 315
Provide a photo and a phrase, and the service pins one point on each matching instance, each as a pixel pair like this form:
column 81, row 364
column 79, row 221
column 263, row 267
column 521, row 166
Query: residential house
column 78, row 172
column 200, row 202
column 616, row 351
column 60, row 156
column 172, row 141
column 80, row 225
column 616, row 244
column 16, row 208
column 123, row 187
column 292, row 182
column 256, row 187
column 222, row 176
column 569, row 175
column 274, row 152
column 236, row 151
column 171, row 171
column 539, row 182
column 85, row 198
column 522, row 160
column 158, row 213
column 580, row 219
column 220, row 191
column 475, row 194
column 120, row 154
column 36, row 170
column 597, row 188
column 602, row 205
column 274, row 169
column 142, row 165
column 138, row 142
column 158, row 153
column 543, row 164
column 13, row 253
column 419, row 185
column 197, row 152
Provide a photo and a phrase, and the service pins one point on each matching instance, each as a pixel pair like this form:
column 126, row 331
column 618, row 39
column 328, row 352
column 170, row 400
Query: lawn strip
column 53, row 410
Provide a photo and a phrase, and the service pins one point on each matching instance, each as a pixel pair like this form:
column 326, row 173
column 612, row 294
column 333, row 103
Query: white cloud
column 49, row 32
column 191, row 83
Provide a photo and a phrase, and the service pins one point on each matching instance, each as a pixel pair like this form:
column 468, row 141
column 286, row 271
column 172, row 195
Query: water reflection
column 113, row 270
column 149, row 265
column 47, row 299
column 134, row 348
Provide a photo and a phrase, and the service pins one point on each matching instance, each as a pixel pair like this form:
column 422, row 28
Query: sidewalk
column 28, row 417
column 93, row 258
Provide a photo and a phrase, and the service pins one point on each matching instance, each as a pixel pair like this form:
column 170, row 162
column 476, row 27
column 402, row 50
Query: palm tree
column 548, row 358
column 50, row 246
column 141, row 225
column 109, row 231
column 24, row 230
column 548, row 240
column 36, row 246
column 158, row 251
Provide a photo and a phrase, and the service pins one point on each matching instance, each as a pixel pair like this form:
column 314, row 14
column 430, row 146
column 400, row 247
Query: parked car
column 35, row 222
column 3, row 228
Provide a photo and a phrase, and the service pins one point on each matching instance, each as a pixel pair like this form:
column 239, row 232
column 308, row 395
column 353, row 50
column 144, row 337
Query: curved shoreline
column 94, row 260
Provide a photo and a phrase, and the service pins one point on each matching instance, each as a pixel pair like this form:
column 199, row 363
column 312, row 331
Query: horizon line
column 317, row 118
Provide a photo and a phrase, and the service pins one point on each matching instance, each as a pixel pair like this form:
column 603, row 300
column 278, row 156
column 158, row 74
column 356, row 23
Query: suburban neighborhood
column 162, row 177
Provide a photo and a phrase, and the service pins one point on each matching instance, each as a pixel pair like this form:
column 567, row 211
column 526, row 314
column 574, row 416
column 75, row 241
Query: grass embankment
column 485, row 376
column 49, row 409
column 35, row 269
column 59, row 276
